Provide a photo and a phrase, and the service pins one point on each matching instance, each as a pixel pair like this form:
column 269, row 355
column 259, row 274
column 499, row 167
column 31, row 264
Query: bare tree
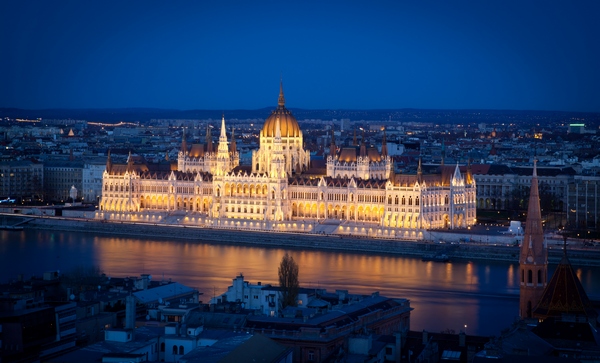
column 288, row 281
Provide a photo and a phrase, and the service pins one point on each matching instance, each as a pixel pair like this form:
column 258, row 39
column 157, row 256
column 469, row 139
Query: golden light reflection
column 510, row 276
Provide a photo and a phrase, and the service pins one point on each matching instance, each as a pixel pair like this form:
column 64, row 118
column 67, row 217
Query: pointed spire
column 281, row 101
column 363, row 146
column 129, row 162
column 108, row 162
column 208, row 141
column 183, row 142
column 469, row 172
column 384, row 150
column 232, row 144
column 420, row 170
column 534, row 254
column 332, row 147
column 223, row 129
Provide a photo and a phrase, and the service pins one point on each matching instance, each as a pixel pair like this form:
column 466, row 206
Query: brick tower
column 533, row 261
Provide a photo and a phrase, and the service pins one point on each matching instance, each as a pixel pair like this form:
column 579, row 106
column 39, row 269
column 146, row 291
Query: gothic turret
column 232, row 145
column 183, row 143
column 108, row 163
column 533, row 261
column 363, row 146
column 384, row 149
column 332, row 147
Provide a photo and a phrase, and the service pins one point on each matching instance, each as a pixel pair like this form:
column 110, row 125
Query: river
column 481, row 295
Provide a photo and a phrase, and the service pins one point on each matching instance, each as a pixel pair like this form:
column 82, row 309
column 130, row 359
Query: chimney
column 130, row 312
column 462, row 338
column 398, row 347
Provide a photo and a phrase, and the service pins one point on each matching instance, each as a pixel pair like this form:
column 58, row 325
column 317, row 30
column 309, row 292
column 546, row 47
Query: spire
column 333, row 147
column 232, row 145
column 183, row 142
column 384, row 150
column 129, row 162
column 420, row 170
column 281, row 101
column 209, row 148
column 223, row 135
column 533, row 259
column 363, row 146
column 469, row 172
column 108, row 162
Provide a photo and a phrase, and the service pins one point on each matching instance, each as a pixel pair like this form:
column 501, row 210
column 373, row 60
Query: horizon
column 390, row 55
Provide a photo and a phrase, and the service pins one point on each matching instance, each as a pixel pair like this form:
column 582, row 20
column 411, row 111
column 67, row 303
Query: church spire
column 222, row 148
column 281, row 101
column 533, row 259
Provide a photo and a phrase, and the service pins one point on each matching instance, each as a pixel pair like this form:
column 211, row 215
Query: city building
column 60, row 176
column 21, row 179
column 355, row 185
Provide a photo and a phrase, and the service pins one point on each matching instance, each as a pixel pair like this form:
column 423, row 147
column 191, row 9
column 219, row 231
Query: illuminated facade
column 358, row 187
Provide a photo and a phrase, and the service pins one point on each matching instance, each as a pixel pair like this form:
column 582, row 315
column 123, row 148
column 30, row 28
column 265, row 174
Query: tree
column 288, row 281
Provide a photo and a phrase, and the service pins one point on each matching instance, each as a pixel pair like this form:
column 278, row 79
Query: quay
column 483, row 244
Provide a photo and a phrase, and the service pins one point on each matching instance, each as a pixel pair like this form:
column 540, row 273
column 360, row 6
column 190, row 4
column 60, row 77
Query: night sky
column 522, row 55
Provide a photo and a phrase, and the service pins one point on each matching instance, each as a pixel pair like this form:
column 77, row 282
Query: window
column 529, row 277
column 311, row 355
column 181, row 349
column 174, row 349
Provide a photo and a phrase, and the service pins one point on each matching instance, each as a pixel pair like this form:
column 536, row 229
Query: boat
column 436, row 258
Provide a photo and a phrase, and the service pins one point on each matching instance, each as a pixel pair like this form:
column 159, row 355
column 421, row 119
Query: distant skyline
column 518, row 55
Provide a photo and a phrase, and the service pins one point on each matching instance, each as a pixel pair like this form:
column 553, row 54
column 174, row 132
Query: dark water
column 481, row 295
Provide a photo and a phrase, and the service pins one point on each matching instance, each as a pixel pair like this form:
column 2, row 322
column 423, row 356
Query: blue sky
column 533, row 55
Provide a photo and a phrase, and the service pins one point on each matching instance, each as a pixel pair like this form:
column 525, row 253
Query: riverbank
column 276, row 239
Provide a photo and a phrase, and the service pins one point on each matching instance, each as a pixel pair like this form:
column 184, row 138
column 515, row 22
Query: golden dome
column 287, row 122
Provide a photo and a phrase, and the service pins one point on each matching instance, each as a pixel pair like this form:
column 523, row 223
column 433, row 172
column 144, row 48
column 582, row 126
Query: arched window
column 417, row 201
column 403, row 200
column 409, row 200
column 396, row 200
column 390, row 199
column 181, row 350
column 162, row 346
column 539, row 279
column 174, row 349
column 529, row 277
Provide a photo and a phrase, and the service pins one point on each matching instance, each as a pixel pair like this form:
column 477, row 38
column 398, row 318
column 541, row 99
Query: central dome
column 287, row 122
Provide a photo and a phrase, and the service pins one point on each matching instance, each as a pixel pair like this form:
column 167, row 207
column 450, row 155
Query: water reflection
column 482, row 295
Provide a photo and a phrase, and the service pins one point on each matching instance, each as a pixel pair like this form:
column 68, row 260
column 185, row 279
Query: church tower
column 533, row 261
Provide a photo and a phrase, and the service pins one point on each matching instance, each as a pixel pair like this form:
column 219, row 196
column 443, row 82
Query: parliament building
column 357, row 188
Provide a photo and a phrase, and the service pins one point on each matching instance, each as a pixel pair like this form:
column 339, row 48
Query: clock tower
column 533, row 261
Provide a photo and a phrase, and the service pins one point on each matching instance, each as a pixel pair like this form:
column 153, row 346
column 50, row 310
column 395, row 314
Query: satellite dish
column 72, row 297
